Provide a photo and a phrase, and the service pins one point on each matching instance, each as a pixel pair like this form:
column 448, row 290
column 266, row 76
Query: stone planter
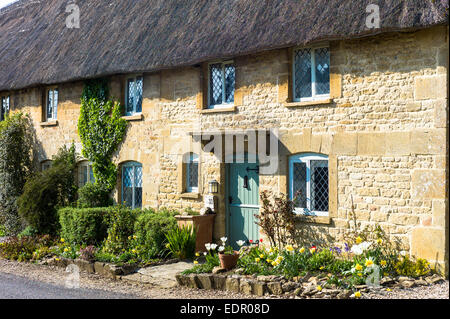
column 228, row 262
column 204, row 225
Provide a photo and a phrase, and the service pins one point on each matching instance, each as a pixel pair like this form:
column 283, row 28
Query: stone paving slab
column 162, row 276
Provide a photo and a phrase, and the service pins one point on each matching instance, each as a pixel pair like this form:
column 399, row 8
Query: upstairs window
column 133, row 95
column 85, row 173
column 4, row 107
column 308, row 184
column 51, row 104
column 192, row 173
column 132, row 184
column 45, row 165
column 311, row 74
column 221, row 84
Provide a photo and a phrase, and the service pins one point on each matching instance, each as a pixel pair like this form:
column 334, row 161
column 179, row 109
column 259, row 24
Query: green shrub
column 93, row 195
column 181, row 241
column 16, row 144
column 84, row 226
column 412, row 268
column 150, row 229
column 22, row 249
column 121, row 229
column 47, row 191
column 28, row 232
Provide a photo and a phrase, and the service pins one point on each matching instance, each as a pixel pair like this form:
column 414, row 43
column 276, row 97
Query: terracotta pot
column 228, row 261
column 204, row 225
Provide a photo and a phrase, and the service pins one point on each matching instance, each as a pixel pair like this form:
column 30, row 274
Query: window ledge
column 49, row 123
column 326, row 220
column 219, row 110
column 308, row 103
column 135, row 117
column 190, row 195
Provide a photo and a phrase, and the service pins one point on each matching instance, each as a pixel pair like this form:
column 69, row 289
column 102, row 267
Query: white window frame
column 313, row 97
column 192, row 158
column 54, row 116
column 306, row 158
column 133, row 165
column 5, row 99
column 83, row 165
column 134, row 78
column 223, row 105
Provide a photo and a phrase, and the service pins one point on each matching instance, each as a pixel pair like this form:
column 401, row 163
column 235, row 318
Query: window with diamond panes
column 308, row 174
column 311, row 74
column 221, row 84
column 52, row 104
column 85, row 174
column 192, row 174
column 134, row 95
column 4, row 107
column 132, row 185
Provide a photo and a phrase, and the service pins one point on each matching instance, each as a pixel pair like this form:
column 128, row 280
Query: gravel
column 57, row 276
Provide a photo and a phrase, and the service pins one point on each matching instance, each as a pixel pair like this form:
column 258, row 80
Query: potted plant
column 228, row 257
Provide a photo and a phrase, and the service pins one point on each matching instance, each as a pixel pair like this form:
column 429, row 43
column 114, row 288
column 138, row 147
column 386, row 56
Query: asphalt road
column 14, row 287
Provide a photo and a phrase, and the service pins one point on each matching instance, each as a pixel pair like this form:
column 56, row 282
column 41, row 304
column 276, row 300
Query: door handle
column 230, row 200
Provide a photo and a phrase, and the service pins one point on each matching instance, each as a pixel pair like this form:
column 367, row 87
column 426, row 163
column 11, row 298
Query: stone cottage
column 355, row 93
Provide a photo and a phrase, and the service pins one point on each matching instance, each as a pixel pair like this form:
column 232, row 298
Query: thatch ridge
column 123, row 36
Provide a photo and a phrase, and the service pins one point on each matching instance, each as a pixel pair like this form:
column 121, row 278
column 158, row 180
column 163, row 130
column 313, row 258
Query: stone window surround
column 45, row 118
column 82, row 164
column 182, row 179
column 136, row 115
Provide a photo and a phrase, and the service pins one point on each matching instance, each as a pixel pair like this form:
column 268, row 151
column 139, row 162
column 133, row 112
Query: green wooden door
column 242, row 201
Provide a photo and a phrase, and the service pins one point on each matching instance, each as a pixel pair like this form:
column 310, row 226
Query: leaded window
column 132, row 185
column 134, row 95
column 311, row 74
column 308, row 183
column 221, row 84
column 85, row 173
column 52, row 104
column 192, row 173
column 4, row 107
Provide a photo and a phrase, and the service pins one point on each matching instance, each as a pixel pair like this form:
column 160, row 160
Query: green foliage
column 150, row 229
column 121, row 229
column 22, row 249
column 2, row 231
column 46, row 191
column 28, row 232
column 257, row 260
column 191, row 212
column 181, row 241
column 84, row 226
column 411, row 268
column 16, row 144
column 93, row 195
column 101, row 130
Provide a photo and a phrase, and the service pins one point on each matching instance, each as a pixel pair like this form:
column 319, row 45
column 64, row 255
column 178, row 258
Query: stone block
column 204, row 281
column 232, row 284
column 274, row 288
column 398, row 143
column 428, row 141
column 344, row 144
column 430, row 87
column 219, row 282
column 85, row 265
column 441, row 113
column 428, row 184
column 259, row 288
column 440, row 214
column 428, row 243
column 371, row 143
column 245, row 286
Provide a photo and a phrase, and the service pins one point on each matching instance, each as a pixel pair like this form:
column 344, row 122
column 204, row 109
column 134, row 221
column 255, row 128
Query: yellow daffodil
column 257, row 260
column 167, row 245
column 66, row 250
column 379, row 241
column 62, row 240
column 360, row 274
column 195, row 262
column 358, row 267
column 388, row 289
column 261, row 256
column 319, row 288
column 197, row 254
column 133, row 251
column 57, row 259
column 357, row 294
column 274, row 263
column 271, row 250
column 269, row 260
column 383, row 263
column 302, row 250
column 322, row 267
column 369, row 262
column 358, row 240
column 289, row 248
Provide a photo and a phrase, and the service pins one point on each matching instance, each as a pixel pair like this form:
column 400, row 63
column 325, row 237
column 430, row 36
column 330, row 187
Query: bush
column 22, row 249
column 150, row 229
column 46, row 191
column 412, row 268
column 181, row 241
column 121, row 228
column 93, row 195
column 16, row 144
column 28, row 232
column 84, row 226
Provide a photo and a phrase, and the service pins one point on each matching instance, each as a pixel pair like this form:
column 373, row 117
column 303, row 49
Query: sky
column 4, row 3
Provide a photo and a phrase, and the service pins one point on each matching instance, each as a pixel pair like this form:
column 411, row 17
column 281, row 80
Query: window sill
column 325, row 220
column 308, row 103
column 190, row 195
column 219, row 110
column 135, row 117
column 49, row 123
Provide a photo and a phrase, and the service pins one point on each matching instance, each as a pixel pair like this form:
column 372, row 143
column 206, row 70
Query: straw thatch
column 123, row 36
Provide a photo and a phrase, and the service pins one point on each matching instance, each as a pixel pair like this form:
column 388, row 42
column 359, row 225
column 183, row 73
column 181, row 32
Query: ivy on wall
column 101, row 130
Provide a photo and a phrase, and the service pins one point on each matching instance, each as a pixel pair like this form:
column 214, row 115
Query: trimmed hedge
column 85, row 226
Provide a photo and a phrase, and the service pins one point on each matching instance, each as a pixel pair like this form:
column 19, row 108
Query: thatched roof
column 123, row 36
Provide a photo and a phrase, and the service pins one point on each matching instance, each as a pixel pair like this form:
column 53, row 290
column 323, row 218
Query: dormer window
column 221, row 84
column 133, row 95
column 51, row 102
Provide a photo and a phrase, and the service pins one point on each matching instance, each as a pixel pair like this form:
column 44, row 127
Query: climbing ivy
column 101, row 129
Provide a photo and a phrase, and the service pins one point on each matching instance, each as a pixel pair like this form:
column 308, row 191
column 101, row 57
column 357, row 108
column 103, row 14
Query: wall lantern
column 213, row 186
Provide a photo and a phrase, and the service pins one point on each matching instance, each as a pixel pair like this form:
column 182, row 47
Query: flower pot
column 204, row 225
column 228, row 262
